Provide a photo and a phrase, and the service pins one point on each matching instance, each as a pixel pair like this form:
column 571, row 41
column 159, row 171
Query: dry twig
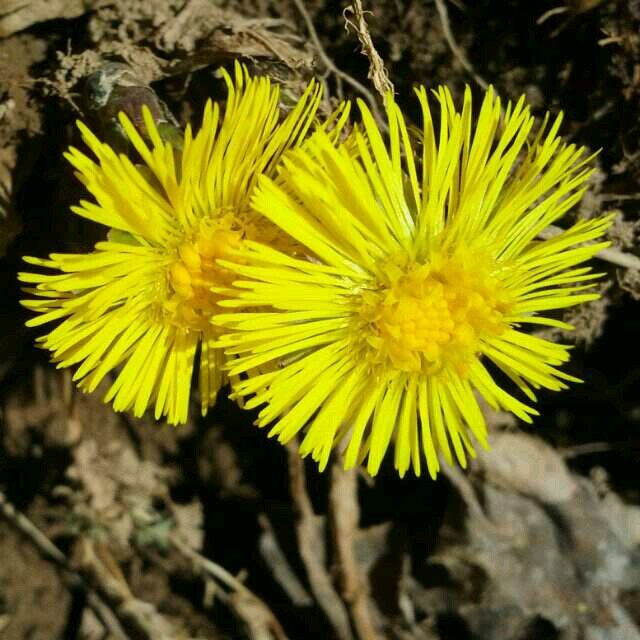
column 331, row 66
column 464, row 487
column 620, row 258
column 259, row 621
column 378, row 73
column 589, row 448
column 309, row 543
column 453, row 45
column 52, row 554
column 619, row 197
column 275, row 558
column 345, row 514
column 611, row 254
column 551, row 12
column 140, row 619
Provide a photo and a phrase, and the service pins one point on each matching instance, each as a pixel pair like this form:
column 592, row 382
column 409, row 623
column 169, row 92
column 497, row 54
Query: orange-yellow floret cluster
column 434, row 316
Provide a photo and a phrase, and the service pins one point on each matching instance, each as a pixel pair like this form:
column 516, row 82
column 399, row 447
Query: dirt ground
column 113, row 527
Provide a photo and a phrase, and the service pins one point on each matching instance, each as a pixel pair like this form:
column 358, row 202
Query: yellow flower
column 421, row 273
column 141, row 301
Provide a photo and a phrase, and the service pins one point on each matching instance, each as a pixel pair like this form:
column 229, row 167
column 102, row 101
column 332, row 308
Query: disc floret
column 433, row 315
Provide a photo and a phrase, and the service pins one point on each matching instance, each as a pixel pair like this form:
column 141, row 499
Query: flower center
column 434, row 315
column 190, row 301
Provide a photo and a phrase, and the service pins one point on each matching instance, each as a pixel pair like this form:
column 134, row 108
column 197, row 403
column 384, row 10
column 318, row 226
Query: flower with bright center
column 420, row 274
column 141, row 301
column 194, row 274
column 433, row 315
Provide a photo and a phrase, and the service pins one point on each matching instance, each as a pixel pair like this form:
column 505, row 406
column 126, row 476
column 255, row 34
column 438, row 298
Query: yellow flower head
column 421, row 273
column 142, row 300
